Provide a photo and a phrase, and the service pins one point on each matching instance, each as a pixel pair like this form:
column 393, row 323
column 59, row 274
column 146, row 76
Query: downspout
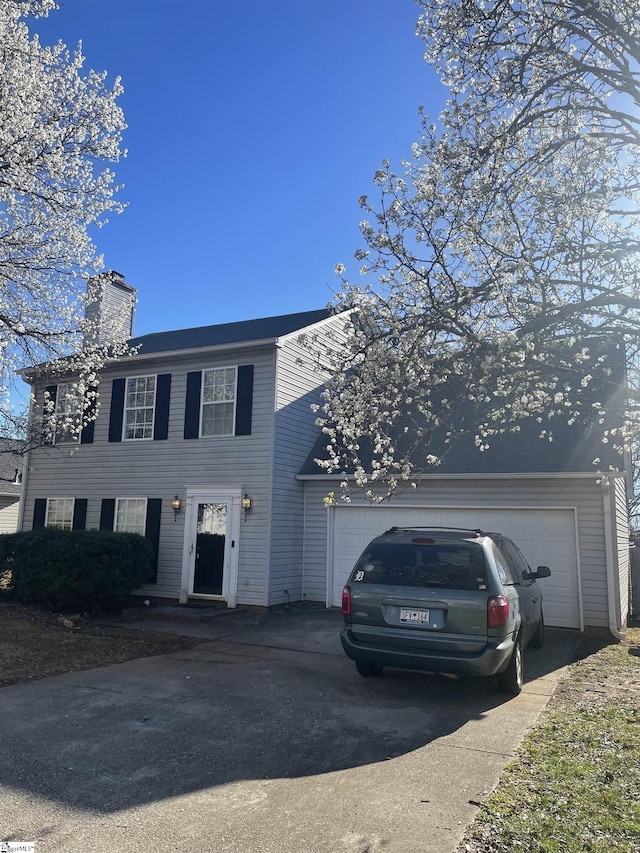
column 610, row 560
column 23, row 488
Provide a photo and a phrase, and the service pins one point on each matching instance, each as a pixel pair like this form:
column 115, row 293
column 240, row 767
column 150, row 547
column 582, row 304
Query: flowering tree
column 59, row 126
column 505, row 252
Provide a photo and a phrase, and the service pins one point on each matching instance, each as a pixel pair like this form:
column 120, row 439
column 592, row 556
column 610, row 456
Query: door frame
column 232, row 496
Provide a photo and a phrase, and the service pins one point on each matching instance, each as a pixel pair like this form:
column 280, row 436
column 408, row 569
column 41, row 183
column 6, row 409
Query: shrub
column 79, row 570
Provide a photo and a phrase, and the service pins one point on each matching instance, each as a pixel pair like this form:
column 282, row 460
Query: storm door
column 210, row 556
column 210, row 548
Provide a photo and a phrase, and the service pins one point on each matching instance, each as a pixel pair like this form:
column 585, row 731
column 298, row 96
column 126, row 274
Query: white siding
column 300, row 381
column 583, row 494
column 9, row 512
column 161, row 469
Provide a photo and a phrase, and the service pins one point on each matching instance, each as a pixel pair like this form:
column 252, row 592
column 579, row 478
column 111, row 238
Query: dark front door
column 211, row 538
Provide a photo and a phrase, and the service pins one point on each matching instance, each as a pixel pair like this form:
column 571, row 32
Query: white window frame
column 144, row 519
column 61, row 436
column 213, row 403
column 58, row 526
column 126, row 408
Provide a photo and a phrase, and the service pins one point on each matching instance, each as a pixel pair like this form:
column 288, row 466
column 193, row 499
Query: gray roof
column 226, row 334
column 574, row 447
column 573, row 450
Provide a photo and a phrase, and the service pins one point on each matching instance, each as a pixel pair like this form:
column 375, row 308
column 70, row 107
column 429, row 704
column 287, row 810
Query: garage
column 545, row 537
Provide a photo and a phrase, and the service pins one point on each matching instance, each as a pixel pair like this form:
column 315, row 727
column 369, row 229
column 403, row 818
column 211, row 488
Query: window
column 517, row 563
column 140, row 400
column 131, row 515
column 60, row 513
column 218, row 401
column 68, row 414
column 459, row 566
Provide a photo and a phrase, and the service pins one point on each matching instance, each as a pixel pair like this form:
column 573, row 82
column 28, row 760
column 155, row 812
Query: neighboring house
column 547, row 496
column 196, row 445
column 10, row 485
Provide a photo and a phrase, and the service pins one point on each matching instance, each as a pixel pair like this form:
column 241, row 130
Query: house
column 10, row 485
column 205, row 442
column 196, row 444
column 549, row 497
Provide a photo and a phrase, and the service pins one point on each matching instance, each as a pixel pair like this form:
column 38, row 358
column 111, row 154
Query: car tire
column 537, row 641
column 511, row 679
column 368, row 670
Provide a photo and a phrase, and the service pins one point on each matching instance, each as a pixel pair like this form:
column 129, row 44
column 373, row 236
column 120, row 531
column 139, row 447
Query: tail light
column 497, row 611
column 346, row 601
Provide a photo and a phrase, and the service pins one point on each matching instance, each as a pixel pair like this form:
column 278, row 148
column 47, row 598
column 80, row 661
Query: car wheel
column 368, row 670
column 511, row 679
column 537, row 641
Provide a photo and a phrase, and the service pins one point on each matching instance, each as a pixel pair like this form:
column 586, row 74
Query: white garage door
column 546, row 537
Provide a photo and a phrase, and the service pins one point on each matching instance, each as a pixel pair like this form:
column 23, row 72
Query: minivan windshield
column 452, row 565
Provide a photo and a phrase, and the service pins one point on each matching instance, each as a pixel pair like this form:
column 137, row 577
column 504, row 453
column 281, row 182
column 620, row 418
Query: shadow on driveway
column 271, row 697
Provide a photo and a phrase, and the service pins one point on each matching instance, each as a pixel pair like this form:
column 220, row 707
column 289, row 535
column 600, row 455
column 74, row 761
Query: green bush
column 79, row 570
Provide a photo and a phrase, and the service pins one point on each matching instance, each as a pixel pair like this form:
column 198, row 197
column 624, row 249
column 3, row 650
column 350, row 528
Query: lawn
column 574, row 785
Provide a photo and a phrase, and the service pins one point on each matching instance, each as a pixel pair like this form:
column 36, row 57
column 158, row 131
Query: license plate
column 414, row 617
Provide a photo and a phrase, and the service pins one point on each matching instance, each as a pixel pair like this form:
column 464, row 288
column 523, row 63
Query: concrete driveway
column 264, row 739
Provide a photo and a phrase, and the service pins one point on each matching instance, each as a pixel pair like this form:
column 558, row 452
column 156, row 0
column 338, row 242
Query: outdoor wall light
column 176, row 506
column 245, row 503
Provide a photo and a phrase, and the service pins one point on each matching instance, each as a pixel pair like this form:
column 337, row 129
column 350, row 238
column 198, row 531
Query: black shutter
column 79, row 514
column 117, row 410
column 161, row 420
column 152, row 531
column 107, row 513
column 244, row 400
column 86, row 435
column 39, row 512
column 192, row 405
column 52, row 391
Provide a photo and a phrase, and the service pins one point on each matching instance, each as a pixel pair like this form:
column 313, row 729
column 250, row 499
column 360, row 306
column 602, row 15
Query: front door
column 210, row 547
column 210, row 562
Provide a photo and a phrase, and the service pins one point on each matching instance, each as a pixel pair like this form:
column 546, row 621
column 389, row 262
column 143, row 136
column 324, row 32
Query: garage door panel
column 545, row 537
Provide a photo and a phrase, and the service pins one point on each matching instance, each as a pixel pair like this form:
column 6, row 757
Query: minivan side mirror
column 540, row 572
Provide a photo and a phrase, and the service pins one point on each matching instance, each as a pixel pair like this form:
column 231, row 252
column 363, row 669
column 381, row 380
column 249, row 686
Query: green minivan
column 443, row 600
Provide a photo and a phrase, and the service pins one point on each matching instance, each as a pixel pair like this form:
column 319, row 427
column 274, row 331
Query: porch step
column 180, row 612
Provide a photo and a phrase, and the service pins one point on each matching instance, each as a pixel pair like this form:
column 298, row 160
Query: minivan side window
column 516, row 561
column 506, row 572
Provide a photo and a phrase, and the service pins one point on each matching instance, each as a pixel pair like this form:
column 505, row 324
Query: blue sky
column 254, row 126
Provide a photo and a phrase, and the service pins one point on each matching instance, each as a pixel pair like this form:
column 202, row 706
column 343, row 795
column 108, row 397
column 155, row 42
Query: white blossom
column 506, row 248
column 60, row 127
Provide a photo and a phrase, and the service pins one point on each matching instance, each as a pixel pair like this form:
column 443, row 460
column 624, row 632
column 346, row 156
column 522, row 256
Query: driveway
column 264, row 739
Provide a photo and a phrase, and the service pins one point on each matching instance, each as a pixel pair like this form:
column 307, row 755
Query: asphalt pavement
column 264, row 738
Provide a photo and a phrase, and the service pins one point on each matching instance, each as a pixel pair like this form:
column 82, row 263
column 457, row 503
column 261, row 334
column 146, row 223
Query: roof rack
column 476, row 530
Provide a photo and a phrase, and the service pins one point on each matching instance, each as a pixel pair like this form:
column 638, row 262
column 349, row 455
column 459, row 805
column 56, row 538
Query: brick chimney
column 109, row 309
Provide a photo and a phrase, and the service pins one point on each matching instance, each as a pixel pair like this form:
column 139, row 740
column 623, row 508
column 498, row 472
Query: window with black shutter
column 219, row 402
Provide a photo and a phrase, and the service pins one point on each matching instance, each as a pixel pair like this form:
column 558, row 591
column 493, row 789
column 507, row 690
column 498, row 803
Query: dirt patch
column 604, row 671
column 35, row 644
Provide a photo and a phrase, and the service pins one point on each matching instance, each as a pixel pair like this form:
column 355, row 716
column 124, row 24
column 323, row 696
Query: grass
column 574, row 785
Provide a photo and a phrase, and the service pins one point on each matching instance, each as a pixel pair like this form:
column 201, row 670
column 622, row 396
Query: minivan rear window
column 459, row 565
